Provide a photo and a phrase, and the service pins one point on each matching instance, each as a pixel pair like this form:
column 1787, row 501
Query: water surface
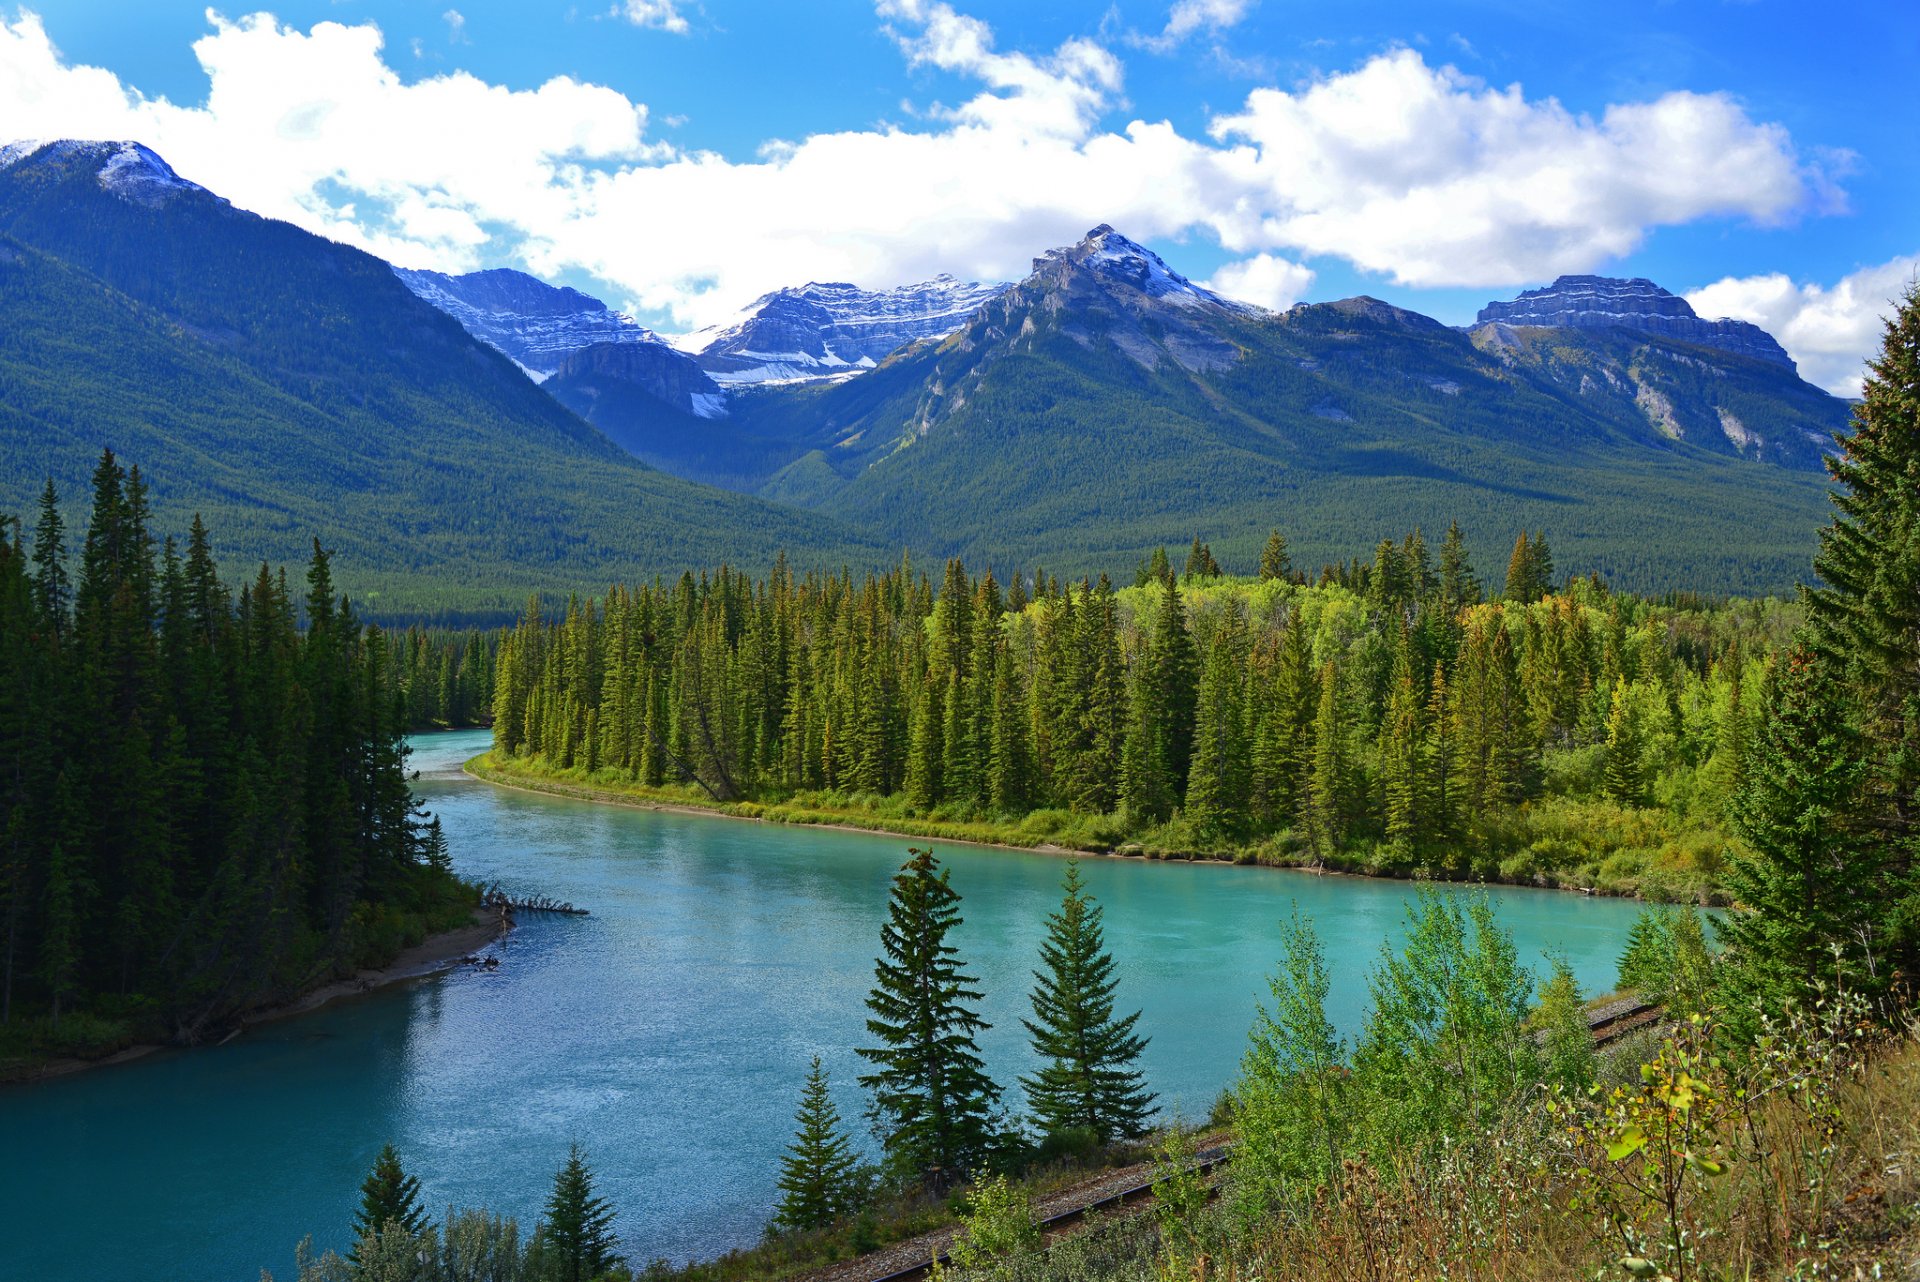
column 668, row 1032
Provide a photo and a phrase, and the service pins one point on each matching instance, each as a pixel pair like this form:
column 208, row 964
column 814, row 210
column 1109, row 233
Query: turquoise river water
column 667, row 1032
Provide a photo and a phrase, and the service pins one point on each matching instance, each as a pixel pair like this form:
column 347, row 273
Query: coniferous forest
column 205, row 805
column 1396, row 715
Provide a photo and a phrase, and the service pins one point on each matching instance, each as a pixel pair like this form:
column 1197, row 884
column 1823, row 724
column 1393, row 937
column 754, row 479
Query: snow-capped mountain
column 537, row 324
column 127, row 169
column 834, row 330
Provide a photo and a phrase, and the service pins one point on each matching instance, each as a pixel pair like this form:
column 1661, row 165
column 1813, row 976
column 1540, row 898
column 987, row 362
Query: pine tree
column 1275, row 565
column 819, row 1175
column 1809, row 888
column 388, row 1196
column 1088, row 1079
column 1200, row 562
column 933, row 1102
column 576, row 1237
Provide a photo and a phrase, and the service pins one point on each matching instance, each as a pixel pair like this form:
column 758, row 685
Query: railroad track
column 1061, row 1223
column 1616, row 1024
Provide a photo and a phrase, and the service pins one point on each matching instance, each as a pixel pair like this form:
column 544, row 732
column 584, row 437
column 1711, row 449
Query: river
column 667, row 1032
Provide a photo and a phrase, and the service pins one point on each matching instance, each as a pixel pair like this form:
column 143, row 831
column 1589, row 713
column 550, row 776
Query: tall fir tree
column 1865, row 616
column 1809, row 888
column 1218, row 778
column 1089, row 1077
column 933, row 1103
column 1275, row 565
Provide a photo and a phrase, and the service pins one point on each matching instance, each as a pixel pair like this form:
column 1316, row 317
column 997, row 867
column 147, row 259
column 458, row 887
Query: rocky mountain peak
column 1117, row 260
column 130, row 170
column 1607, row 302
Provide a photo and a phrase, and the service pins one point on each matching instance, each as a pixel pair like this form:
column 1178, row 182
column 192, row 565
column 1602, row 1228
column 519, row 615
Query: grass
column 1587, row 844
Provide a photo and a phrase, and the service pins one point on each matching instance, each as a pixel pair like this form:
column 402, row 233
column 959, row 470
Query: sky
column 681, row 157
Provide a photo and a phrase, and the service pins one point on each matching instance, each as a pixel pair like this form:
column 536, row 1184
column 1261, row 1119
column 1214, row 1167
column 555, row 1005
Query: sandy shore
column 432, row 956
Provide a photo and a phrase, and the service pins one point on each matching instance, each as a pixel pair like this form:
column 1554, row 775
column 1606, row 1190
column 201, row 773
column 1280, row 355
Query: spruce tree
column 819, row 1175
column 388, row 1196
column 1275, row 565
column 1327, row 774
column 933, row 1103
column 1808, row 888
column 1865, row 618
column 1088, row 1079
column 1459, row 587
column 1216, row 801
column 576, row 1237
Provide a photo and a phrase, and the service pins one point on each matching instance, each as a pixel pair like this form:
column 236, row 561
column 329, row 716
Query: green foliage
column 997, row 1227
column 1444, row 1052
column 1292, row 1103
column 1088, row 1079
column 820, row 1173
column 933, row 1102
column 1668, row 961
column 1559, row 1023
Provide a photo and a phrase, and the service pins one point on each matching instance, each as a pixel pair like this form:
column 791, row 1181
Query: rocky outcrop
column 1607, row 302
column 656, row 369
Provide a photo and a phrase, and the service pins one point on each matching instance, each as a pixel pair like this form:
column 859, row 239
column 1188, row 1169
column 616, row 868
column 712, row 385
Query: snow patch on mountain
column 536, row 324
column 129, row 170
column 1112, row 255
column 831, row 330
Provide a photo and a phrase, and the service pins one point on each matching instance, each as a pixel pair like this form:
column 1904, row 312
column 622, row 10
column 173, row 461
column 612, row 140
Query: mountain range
column 1100, row 406
column 289, row 387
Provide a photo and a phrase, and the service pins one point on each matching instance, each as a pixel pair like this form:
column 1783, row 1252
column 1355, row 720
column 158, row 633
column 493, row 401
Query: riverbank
column 432, row 956
column 1061, row 832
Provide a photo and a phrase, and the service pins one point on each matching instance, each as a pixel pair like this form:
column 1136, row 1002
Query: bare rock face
column 656, row 369
column 1607, row 302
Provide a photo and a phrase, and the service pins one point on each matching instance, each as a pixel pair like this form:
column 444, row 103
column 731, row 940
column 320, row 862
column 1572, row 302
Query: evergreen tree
column 1865, row 619
column 1088, row 1079
column 576, row 1237
column 1200, row 562
column 1291, row 1101
column 1459, row 587
column 1275, row 565
column 1809, row 888
column 933, row 1102
column 819, row 1175
column 1217, row 783
column 1327, row 780
column 389, row 1196
column 1626, row 777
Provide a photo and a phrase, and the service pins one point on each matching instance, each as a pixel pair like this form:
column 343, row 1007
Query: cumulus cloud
column 1418, row 173
column 659, row 15
column 1190, row 16
column 1431, row 177
column 1263, row 280
column 1829, row 330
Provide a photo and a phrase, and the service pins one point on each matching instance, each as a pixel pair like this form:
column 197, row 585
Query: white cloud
column 1829, row 330
column 1263, row 280
column 1190, row 16
column 1433, row 178
column 456, row 27
column 1418, row 173
column 659, row 15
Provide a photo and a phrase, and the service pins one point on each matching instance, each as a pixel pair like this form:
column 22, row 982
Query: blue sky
column 679, row 157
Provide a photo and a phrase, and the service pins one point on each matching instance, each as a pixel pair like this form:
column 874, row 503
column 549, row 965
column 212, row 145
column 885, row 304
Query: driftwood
column 498, row 900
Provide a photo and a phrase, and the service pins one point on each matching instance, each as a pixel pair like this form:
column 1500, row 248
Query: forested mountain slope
column 283, row 384
column 1105, row 405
